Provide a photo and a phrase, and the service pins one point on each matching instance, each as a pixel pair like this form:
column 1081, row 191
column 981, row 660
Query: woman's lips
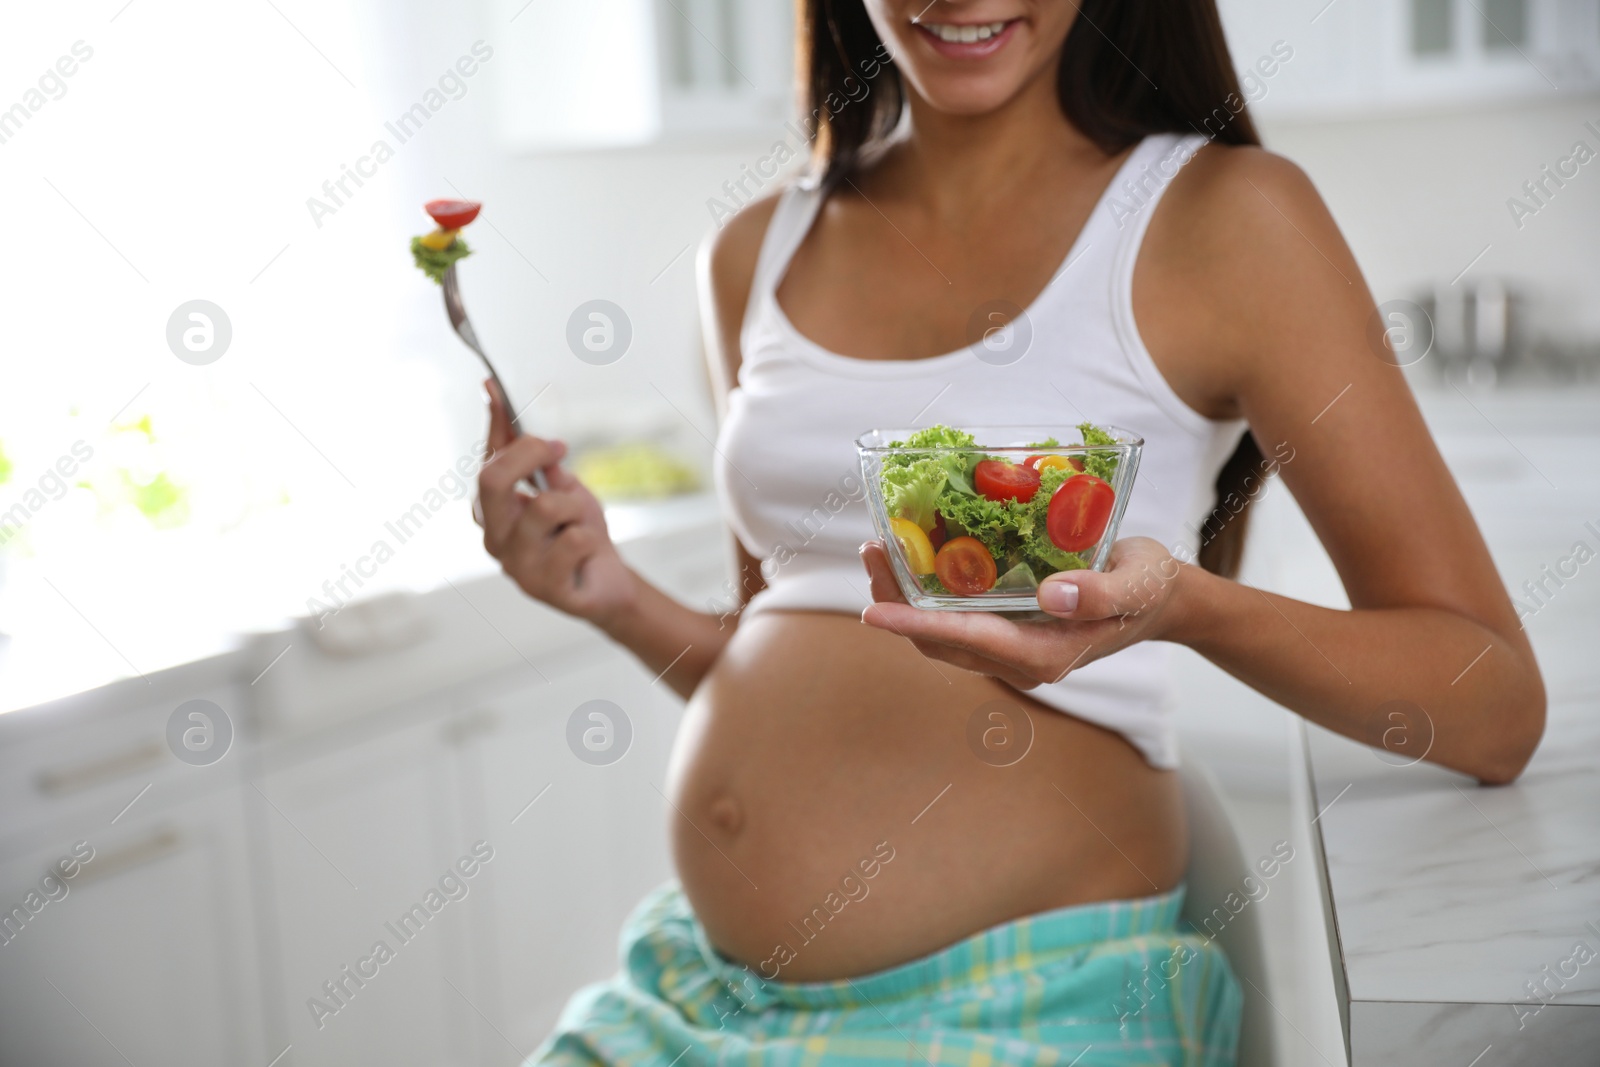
column 966, row 49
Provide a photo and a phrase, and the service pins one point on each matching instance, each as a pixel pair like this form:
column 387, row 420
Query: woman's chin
column 969, row 96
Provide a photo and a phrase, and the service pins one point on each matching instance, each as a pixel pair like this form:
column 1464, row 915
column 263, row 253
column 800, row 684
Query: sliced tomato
column 452, row 214
column 940, row 532
column 915, row 544
column 999, row 480
column 1079, row 512
column 965, row 567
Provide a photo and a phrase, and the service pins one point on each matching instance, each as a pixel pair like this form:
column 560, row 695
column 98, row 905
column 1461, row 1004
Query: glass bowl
column 1020, row 532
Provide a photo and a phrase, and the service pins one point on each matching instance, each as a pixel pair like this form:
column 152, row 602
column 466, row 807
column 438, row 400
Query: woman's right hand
column 553, row 544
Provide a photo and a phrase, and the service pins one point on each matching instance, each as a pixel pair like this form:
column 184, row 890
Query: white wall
column 1419, row 195
column 620, row 225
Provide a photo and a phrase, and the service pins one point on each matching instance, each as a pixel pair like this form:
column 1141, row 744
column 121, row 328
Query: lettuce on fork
column 435, row 261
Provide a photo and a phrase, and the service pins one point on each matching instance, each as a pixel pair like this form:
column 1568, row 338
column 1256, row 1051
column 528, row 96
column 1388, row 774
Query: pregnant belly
column 844, row 805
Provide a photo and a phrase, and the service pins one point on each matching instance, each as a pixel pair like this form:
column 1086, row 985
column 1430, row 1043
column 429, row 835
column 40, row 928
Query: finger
column 974, row 631
column 518, row 460
column 875, row 556
column 499, row 499
column 548, row 512
column 1137, row 578
column 568, row 552
column 500, row 432
column 1038, row 651
column 1091, row 595
column 969, row 661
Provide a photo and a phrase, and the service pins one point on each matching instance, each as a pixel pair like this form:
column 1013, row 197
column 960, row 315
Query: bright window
column 162, row 154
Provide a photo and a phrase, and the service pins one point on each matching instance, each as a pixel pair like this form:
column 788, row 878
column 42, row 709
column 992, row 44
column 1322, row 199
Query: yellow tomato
column 1045, row 463
column 439, row 240
column 915, row 544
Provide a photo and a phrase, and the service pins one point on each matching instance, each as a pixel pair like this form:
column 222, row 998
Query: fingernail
column 1058, row 597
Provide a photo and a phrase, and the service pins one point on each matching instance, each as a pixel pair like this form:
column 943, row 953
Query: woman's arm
column 555, row 545
column 1257, row 307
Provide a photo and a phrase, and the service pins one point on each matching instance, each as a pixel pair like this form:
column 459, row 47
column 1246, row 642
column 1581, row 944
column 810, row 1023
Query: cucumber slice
column 1019, row 579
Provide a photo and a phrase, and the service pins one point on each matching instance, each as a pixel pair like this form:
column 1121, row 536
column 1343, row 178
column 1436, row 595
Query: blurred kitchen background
column 166, row 527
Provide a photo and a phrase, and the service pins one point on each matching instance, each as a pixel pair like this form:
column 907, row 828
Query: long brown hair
column 1127, row 70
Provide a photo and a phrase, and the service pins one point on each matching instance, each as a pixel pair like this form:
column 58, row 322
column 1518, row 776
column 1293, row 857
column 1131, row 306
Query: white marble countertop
column 1467, row 918
column 1451, row 892
column 38, row 670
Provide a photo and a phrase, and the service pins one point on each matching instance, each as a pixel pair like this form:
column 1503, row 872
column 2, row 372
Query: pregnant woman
column 856, row 883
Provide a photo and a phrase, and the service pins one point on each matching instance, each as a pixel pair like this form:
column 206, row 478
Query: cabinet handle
column 72, row 779
column 163, row 842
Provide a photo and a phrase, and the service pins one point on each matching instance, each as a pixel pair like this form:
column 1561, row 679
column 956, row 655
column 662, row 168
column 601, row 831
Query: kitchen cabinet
column 360, row 784
column 633, row 72
column 1359, row 57
column 151, row 956
column 353, row 838
column 577, row 844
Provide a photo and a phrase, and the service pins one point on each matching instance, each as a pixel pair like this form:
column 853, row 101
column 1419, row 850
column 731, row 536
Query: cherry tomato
column 940, row 532
column 999, row 480
column 452, row 214
column 1044, row 463
column 965, row 567
column 915, row 544
column 1079, row 512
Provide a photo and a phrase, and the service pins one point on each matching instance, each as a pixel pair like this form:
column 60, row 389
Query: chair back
column 1217, row 867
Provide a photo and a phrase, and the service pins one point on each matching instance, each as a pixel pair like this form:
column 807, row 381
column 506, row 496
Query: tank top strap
column 791, row 221
column 1131, row 200
column 1139, row 189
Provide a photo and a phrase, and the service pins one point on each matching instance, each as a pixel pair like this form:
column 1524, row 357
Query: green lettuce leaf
column 957, row 465
column 1100, row 464
column 911, row 491
column 435, row 263
column 1039, row 550
column 936, row 437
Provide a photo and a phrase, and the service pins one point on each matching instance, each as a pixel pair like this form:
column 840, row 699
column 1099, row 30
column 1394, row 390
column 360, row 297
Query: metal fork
column 463, row 327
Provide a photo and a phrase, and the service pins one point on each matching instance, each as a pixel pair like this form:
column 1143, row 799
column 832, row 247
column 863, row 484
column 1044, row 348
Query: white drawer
column 89, row 759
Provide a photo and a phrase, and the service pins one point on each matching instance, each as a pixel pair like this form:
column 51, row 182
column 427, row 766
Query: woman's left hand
column 1096, row 614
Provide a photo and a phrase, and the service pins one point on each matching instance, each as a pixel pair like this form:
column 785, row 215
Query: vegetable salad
column 970, row 523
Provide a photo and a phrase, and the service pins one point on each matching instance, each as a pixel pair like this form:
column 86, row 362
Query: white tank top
column 788, row 473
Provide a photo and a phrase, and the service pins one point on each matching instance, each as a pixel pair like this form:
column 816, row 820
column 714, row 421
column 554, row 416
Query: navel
column 726, row 814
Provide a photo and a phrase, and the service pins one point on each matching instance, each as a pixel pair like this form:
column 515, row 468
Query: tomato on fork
column 452, row 214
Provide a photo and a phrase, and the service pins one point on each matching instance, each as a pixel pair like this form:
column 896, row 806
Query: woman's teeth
column 963, row 34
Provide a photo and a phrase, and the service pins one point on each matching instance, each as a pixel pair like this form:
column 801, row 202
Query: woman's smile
column 967, row 40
